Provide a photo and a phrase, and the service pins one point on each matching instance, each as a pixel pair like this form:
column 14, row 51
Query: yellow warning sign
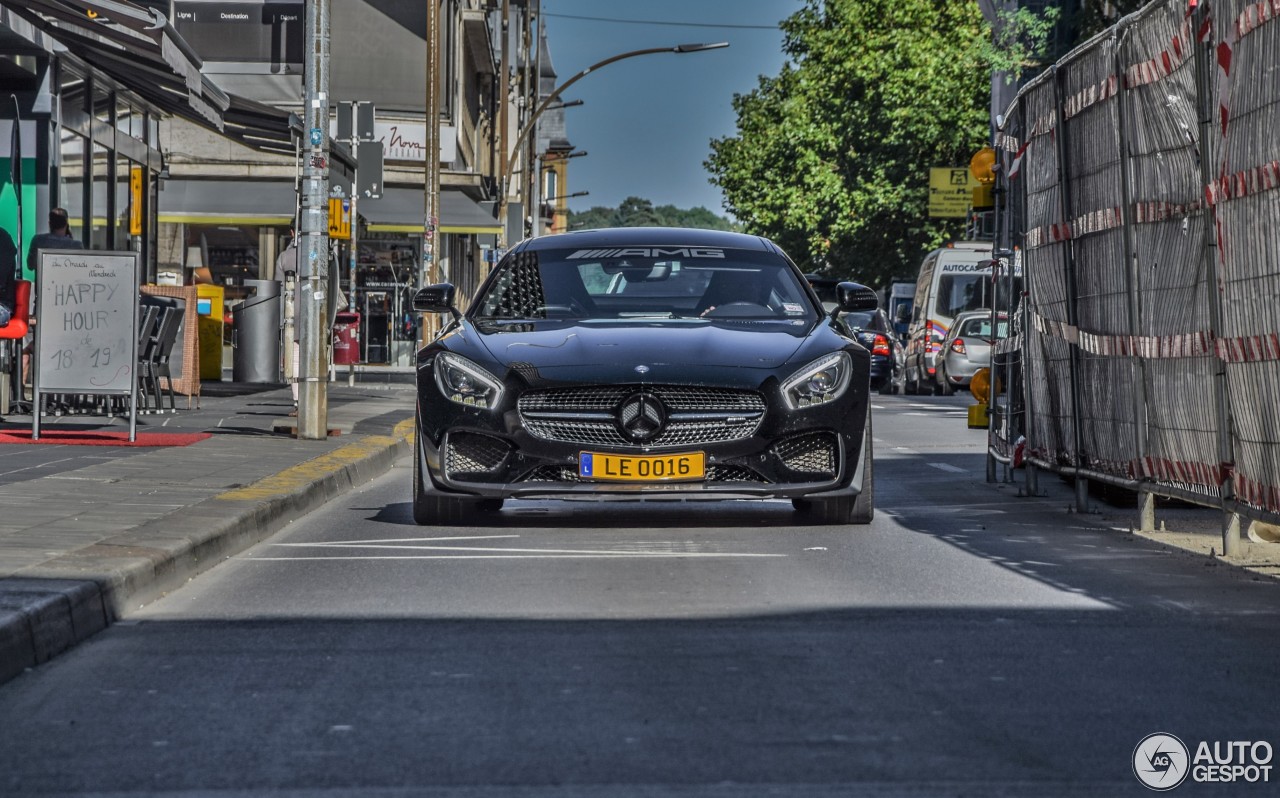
column 950, row 191
column 339, row 218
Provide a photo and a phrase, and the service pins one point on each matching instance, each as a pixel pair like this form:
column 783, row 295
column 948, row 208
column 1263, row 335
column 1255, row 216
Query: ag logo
column 1160, row 762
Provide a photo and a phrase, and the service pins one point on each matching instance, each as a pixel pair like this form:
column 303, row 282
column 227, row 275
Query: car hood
column 669, row 349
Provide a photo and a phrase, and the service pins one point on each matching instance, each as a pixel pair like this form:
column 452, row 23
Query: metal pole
column 1209, row 157
column 504, row 160
column 1073, row 312
column 1133, row 287
column 429, row 271
column 313, row 253
column 354, row 246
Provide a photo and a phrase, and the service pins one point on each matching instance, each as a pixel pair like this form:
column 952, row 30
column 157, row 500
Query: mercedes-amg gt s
column 638, row 362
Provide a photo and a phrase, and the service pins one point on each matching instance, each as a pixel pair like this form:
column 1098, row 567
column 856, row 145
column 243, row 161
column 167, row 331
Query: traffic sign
column 950, row 191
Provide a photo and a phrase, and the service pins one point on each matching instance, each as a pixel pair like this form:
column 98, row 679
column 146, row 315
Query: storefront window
column 98, row 229
column 70, row 177
column 385, row 275
column 231, row 251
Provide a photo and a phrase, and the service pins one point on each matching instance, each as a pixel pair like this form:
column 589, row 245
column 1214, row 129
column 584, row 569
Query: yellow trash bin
column 209, row 303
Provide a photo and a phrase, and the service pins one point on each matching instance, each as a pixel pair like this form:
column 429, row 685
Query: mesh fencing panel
column 1152, row 250
column 1246, row 206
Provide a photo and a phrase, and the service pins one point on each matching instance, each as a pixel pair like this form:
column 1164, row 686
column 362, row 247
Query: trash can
column 346, row 339
column 256, row 334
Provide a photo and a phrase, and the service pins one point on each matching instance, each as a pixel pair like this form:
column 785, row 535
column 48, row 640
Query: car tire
column 887, row 387
column 430, row 509
column 908, row 386
column 943, row 385
column 856, row 510
column 918, row 386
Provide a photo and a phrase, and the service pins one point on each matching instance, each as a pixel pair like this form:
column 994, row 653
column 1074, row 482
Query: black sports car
column 634, row 362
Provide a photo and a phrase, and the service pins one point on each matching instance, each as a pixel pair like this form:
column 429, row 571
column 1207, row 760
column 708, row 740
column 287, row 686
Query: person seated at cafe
column 58, row 237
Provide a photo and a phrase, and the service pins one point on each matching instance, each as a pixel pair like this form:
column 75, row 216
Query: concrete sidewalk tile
column 103, row 535
column 40, row 619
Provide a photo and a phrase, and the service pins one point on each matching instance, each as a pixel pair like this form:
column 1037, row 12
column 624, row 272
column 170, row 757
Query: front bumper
column 814, row 452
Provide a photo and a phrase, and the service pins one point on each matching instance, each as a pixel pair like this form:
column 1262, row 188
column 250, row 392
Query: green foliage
column 637, row 212
column 832, row 155
column 1021, row 41
column 1095, row 16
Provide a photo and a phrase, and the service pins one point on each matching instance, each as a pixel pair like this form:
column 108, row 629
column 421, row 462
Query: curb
column 53, row 606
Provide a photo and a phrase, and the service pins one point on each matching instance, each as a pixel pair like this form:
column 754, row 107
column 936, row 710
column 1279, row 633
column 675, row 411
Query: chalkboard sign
column 86, row 322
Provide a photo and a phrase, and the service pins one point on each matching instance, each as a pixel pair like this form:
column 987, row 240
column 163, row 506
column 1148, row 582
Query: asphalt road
column 969, row 642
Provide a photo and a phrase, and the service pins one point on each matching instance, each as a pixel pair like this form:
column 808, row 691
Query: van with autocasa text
column 952, row 280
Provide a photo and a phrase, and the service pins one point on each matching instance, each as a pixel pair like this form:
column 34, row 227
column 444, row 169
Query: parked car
column 953, row 279
column 636, row 362
column 874, row 331
column 967, row 348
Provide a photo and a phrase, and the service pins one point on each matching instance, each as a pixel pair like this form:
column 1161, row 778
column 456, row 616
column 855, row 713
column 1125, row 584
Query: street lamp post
column 550, row 98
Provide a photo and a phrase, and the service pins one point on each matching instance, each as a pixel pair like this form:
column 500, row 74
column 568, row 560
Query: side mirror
column 435, row 299
column 903, row 314
column 852, row 297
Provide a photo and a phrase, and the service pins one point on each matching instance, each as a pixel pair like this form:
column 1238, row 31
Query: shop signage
column 339, row 218
column 87, row 338
column 407, row 141
column 271, row 32
column 950, row 192
column 135, row 201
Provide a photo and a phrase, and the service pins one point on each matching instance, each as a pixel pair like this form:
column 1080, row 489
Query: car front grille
column 813, row 454
column 696, row 416
column 469, row 455
column 715, row 473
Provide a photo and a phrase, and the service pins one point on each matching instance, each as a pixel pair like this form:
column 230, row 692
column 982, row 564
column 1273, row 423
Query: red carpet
column 102, row 437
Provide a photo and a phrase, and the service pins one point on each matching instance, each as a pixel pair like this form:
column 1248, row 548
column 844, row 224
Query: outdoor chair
column 159, row 350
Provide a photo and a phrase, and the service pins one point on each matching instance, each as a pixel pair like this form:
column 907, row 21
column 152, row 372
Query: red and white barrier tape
column 1244, row 183
column 1186, row 472
column 1089, row 97
column 1241, row 349
column 1249, row 491
column 1161, row 66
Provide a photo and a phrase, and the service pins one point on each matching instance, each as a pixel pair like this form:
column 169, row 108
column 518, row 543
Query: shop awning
column 399, row 210
column 135, row 45
column 227, row 202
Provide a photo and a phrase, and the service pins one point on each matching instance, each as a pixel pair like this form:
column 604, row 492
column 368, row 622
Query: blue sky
column 647, row 122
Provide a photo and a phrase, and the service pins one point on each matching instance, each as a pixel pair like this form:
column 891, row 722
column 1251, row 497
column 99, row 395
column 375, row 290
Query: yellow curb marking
column 295, row 477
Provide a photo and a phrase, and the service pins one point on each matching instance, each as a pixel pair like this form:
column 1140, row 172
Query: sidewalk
column 88, row 533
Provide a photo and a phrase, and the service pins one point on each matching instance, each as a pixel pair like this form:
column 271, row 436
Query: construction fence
column 1142, row 206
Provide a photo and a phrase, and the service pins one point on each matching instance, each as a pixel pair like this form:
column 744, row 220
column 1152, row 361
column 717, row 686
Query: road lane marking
column 394, row 540
column 947, row 467
column 596, row 556
column 524, row 551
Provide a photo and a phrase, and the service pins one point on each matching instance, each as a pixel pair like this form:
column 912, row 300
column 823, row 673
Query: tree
column 639, row 212
column 635, row 212
column 832, row 155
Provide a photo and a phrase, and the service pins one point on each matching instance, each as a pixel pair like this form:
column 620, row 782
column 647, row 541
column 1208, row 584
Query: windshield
column 645, row 283
column 866, row 320
column 958, row 293
column 981, row 328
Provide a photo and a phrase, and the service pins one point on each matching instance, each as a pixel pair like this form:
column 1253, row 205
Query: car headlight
column 464, row 382
column 821, row 381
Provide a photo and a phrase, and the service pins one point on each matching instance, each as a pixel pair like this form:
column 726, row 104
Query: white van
column 952, row 280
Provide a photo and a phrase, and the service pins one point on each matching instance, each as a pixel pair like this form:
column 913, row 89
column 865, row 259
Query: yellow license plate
column 642, row 467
